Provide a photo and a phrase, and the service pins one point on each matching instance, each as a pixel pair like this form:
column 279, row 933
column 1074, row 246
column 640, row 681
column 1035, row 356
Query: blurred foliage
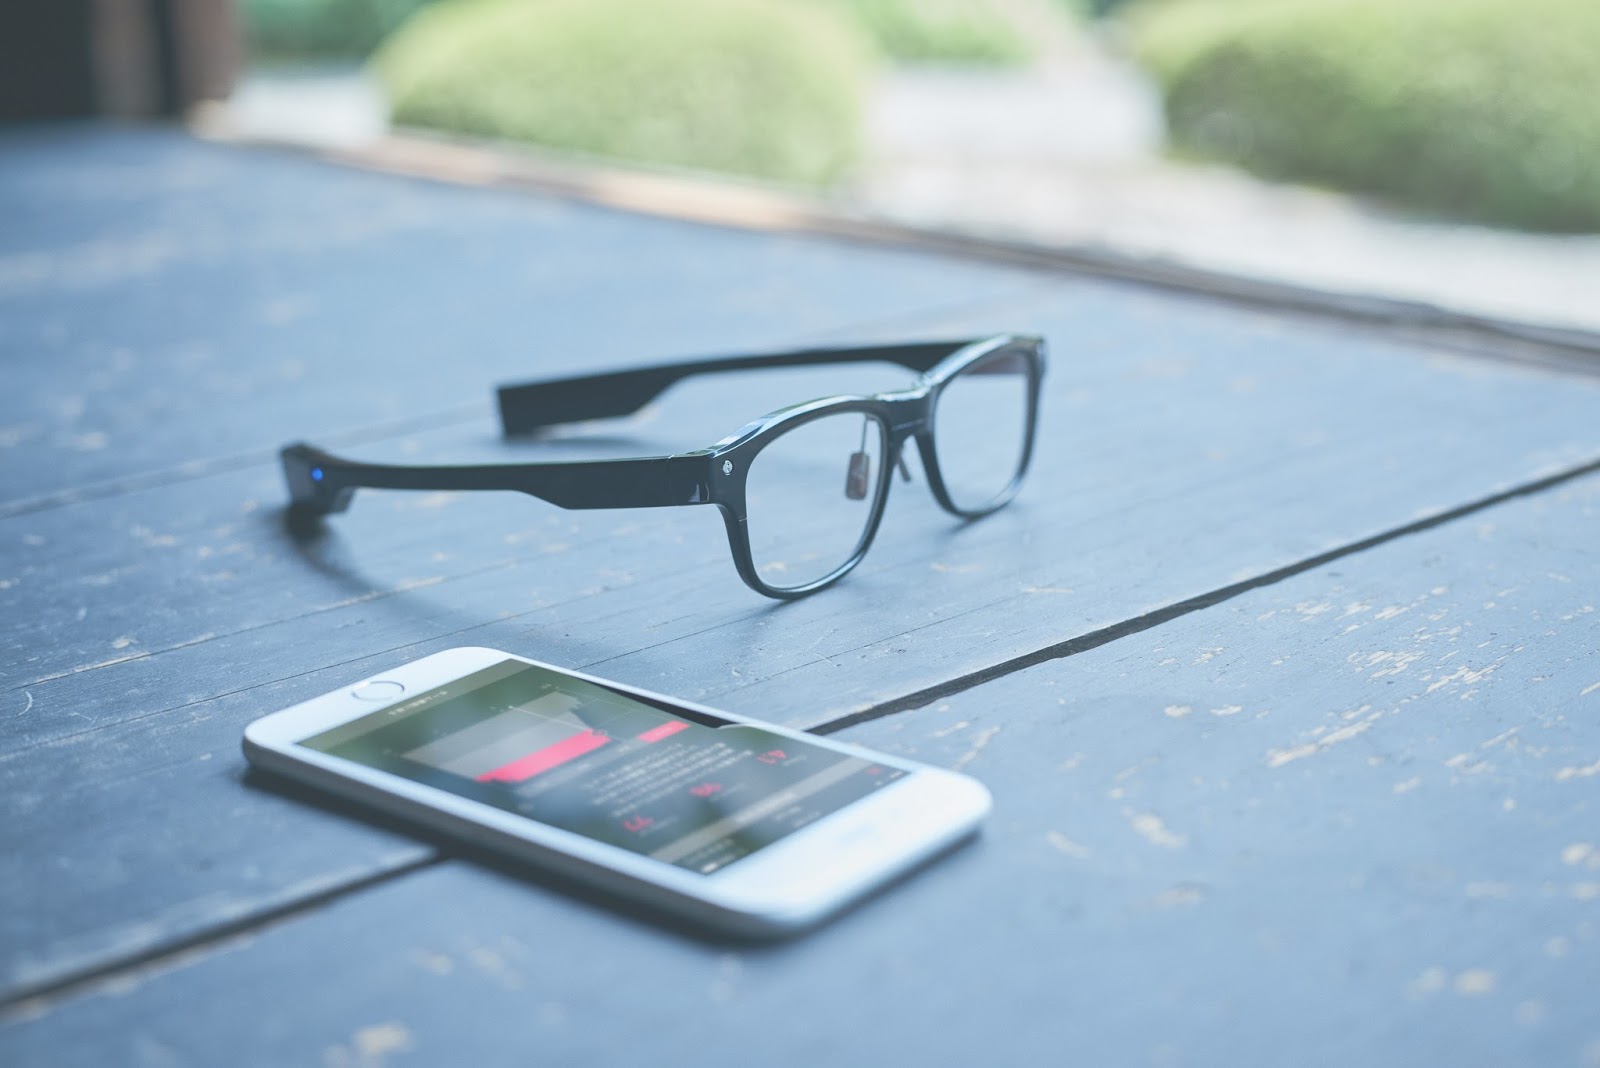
column 1486, row 109
column 985, row 32
column 301, row 28
column 980, row 32
column 767, row 88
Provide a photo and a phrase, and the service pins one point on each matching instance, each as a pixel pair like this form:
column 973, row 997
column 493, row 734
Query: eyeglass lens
column 980, row 429
column 809, row 495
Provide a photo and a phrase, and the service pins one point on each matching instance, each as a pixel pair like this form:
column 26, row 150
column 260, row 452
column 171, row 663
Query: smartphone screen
column 680, row 788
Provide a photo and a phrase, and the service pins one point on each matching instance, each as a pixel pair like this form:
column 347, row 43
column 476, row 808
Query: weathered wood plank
column 1349, row 818
column 1184, row 448
column 1225, row 442
column 165, row 301
column 167, row 780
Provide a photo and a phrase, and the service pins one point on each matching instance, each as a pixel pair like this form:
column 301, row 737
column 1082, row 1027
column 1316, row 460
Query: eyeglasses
column 801, row 490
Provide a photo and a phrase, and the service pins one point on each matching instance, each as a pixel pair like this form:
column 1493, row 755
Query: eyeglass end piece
column 312, row 490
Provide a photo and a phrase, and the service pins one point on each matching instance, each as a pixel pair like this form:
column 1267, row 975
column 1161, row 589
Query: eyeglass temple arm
column 321, row 483
column 527, row 406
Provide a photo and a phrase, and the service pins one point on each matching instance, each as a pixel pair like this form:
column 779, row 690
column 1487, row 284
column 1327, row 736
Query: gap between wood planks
column 32, row 1001
column 29, row 1002
column 1105, row 635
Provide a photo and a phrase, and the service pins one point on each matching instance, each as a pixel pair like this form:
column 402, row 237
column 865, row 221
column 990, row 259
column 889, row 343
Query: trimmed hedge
column 983, row 32
column 979, row 32
column 767, row 88
column 1486, row 109
column 323, row 27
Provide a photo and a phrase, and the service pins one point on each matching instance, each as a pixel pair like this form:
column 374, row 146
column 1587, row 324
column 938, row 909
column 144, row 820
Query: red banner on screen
column 666, row 730
column 526, row 767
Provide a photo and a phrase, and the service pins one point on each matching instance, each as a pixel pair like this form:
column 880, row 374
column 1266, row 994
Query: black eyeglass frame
column 321, row 483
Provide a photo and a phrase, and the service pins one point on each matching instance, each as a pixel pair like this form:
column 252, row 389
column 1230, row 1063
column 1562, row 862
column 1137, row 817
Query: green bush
column 1486, row 109
column 767, row 88
column 947, row 31
column 322, row 27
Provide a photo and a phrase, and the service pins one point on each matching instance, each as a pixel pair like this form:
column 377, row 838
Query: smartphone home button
column 380, row 690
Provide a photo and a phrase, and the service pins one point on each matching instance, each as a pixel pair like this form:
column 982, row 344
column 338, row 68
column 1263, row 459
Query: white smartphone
column 751, row 828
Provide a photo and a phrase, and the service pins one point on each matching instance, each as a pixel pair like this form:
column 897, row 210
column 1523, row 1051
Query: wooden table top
column 1281, row 669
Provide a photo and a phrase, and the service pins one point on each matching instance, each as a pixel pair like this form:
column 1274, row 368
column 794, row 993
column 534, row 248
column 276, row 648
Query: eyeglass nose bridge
column 909, row 415
column 906, row 413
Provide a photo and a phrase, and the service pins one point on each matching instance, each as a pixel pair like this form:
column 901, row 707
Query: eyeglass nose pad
column 858, row 477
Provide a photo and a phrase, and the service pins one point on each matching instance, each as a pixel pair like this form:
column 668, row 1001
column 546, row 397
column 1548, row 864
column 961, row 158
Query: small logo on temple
column 727, row 467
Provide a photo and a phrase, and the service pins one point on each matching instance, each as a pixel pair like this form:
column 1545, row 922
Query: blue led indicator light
column 316, row 474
